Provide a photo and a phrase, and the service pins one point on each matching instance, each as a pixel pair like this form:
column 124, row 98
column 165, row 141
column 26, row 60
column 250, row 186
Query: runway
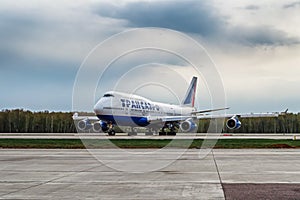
column 129, row 174
column 143, row 136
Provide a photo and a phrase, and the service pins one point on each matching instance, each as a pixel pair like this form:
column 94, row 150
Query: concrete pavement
column 76, row 174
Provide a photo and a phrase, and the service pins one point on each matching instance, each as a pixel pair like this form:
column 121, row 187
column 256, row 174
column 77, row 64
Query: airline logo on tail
column 189, row 98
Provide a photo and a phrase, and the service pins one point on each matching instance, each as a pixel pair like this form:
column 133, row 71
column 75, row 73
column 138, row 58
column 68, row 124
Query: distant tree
column 19, row 120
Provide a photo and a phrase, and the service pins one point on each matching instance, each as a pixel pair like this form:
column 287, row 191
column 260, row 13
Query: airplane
column 123, row 109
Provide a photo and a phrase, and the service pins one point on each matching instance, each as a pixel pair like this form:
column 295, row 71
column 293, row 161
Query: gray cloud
column 261, row 35
column 252, row 7
column 65, row 36
column 292, row 5
column 186, row 16
column 42, row 46
column 195, row 17
column 32, row 71
column 11, row 24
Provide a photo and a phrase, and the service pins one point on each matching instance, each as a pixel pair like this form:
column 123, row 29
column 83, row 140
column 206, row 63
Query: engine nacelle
column 100, row 125
column 84, row 125
column 97, row 127
column 233, row 123
column 188, row 126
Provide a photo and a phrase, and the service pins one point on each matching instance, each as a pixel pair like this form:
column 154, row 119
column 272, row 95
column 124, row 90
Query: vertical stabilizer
column 189, row 99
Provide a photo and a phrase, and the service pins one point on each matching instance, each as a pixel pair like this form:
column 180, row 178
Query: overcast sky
column 255, row 46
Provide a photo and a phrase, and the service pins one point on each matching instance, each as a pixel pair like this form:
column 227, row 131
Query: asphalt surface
column 143, row 136
column 249, row 191
column 149, row 174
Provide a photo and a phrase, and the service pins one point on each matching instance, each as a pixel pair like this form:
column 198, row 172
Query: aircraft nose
column 98, row 108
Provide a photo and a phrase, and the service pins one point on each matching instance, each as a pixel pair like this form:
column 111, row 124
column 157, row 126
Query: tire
column 112, row 133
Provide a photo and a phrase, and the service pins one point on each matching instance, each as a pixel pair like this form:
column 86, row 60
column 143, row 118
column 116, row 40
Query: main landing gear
column 111, row 132
column 171, row 127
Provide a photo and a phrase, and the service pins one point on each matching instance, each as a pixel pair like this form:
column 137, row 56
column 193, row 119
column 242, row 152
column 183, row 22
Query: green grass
column 41, row 143
column 257, row 143
column 146, row 143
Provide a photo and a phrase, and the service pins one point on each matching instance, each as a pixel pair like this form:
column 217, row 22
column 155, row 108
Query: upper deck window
column 108, row 95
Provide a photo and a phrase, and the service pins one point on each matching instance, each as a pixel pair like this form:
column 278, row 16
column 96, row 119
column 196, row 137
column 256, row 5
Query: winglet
column 189, row 98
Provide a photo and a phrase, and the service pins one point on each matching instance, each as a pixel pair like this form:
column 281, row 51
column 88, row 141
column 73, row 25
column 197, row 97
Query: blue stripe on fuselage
column 124, row 120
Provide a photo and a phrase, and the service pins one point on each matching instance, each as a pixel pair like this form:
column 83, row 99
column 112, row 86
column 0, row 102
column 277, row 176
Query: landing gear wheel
column 163, row 132
column 112, row 133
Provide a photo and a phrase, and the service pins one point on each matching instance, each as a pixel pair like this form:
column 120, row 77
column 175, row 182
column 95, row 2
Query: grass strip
column 147, row 143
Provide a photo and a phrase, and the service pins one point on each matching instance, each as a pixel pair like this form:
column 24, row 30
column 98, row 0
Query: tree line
column 24, row 121
column 288, row 123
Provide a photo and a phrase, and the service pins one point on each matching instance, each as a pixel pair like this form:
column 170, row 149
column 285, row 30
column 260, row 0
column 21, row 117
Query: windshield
column 108, row 95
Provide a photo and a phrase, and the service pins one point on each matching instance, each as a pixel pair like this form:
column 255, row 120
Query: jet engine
column 84, row 124
column 100, row 125
column 97, row 127
column 233, row 123
column 188, row 126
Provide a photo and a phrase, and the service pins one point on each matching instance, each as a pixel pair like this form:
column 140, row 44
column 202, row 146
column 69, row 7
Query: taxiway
column 147, row 174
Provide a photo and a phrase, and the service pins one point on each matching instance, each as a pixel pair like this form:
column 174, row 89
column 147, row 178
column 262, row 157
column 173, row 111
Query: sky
column 254, row 45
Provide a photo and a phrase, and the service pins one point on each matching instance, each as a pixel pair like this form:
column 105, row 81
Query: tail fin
column 189, row 98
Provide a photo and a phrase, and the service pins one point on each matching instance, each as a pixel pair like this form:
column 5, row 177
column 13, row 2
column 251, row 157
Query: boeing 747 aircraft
column 122, row 109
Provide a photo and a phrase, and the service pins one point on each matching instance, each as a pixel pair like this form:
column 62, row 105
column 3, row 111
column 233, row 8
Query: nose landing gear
column 111, row 130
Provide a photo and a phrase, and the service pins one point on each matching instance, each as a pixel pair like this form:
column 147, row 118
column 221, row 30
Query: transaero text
column 138, row 104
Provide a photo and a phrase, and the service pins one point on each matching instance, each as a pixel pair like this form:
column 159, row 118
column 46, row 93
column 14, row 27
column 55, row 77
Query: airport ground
column 149, row 173
column 143, row 136
column 115, row 174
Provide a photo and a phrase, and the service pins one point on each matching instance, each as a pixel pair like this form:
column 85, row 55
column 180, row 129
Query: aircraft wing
column 208, row 116
column 247, row 115
column 92, row 118
column 167, row 118
column 209, row 110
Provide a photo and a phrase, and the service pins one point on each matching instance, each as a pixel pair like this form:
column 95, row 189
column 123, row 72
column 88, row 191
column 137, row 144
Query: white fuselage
column 124, row 108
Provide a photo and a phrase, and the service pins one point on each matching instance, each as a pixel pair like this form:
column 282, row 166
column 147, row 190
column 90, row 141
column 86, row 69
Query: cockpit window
column 108, row 95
